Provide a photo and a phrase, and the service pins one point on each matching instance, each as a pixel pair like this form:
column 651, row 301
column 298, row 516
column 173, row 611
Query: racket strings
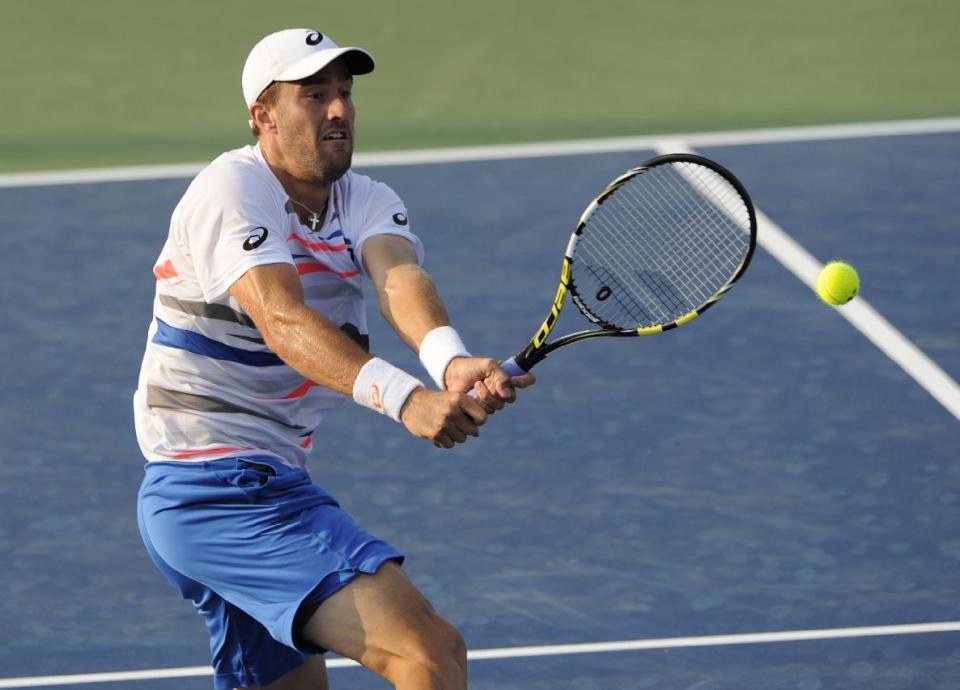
column 660, row 246
column 623, row 298
column 622, row 216
column 698, row 213
column 662, row 285
column 676, row 266
column 611, row 253
column 672, row 263
column 702, row 213
column 666, row 301
column 719, row 195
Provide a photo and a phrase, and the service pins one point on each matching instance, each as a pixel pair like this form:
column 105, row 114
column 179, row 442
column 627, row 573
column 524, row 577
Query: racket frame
column 538, row 347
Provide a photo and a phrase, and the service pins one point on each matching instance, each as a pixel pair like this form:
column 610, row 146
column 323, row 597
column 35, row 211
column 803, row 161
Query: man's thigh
column 376, row 619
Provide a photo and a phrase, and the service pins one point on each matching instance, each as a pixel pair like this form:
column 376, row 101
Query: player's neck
column 310, row 197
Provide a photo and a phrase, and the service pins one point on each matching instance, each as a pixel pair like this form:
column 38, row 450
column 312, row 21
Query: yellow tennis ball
column 838, row 283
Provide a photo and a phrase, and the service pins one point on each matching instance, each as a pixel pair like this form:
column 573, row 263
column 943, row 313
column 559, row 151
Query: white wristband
column 439, row 346
column 383, row 387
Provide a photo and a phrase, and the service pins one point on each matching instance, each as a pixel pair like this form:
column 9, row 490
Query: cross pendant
column 314, row 219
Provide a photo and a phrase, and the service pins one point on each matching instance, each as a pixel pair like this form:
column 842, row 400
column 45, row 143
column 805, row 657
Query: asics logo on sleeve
column 257, row 237
column 399, row 219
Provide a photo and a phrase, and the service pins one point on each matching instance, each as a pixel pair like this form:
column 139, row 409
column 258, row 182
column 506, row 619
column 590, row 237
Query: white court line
column 543, row 650
column 510, row 151
column 858, row 312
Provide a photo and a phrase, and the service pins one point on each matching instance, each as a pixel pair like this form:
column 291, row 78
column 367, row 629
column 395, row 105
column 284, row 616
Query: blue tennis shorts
column 250, row 540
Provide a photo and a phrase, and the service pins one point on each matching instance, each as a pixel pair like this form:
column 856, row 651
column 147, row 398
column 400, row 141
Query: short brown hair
column 268, row 97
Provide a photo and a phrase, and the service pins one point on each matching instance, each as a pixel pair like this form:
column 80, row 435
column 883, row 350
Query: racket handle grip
column 511, row 367
column 508, row 365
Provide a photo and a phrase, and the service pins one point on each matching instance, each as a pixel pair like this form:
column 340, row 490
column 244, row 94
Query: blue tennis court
column 766, row 469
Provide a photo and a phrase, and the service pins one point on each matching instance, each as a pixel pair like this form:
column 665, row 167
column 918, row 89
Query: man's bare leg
column 385, row 623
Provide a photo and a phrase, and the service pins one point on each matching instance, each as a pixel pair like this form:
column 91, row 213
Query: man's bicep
column 265, row 291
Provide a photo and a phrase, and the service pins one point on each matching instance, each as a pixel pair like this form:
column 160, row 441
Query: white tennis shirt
column 209, row 387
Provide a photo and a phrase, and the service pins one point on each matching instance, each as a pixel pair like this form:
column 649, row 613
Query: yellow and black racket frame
column 538, row 347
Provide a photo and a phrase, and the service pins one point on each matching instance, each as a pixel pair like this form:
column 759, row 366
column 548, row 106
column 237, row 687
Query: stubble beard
column 323, row 167
column 328, row 169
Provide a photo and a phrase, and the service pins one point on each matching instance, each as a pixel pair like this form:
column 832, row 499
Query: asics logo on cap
column 314, row 38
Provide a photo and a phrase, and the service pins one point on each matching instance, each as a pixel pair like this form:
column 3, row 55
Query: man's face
column 315, row 124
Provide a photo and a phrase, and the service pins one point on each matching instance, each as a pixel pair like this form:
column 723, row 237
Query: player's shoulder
column 362, row 190
column 244, row 166
column 237, row 178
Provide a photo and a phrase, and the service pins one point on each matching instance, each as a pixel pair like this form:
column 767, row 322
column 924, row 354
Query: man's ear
column 263, row 117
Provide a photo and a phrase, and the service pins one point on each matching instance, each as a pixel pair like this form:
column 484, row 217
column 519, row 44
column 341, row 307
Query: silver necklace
column 314, row 218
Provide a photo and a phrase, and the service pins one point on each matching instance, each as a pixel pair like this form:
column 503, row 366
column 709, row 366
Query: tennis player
column 259, row 331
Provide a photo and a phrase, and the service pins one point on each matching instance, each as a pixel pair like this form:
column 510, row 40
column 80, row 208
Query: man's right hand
column 443, row 417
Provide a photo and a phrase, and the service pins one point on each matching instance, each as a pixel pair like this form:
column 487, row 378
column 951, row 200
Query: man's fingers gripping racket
column 512, row 369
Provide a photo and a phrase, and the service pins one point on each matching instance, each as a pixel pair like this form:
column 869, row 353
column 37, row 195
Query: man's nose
column 338, row 109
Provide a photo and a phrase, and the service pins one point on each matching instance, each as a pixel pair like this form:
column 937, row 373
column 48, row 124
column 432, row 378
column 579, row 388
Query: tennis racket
column 655, row 249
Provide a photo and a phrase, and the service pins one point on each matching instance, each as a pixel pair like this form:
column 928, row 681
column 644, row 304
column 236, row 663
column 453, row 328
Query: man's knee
column 437, row 650
column 455, row 646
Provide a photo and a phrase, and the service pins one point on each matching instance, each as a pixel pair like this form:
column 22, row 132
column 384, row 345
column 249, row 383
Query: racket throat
column 528, row 357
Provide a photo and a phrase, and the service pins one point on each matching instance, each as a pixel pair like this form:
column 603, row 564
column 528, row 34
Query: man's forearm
column 410, row 303
column 314, row 346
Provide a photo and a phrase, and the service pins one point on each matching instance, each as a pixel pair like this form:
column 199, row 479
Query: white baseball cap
column 295, row 54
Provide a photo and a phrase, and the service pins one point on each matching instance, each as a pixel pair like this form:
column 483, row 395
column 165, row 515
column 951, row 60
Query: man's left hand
column 493, row 387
